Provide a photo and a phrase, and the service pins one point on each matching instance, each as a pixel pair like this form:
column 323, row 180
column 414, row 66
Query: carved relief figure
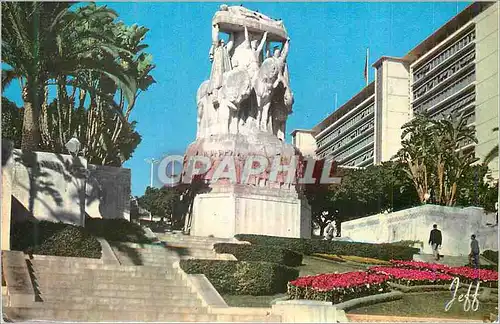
column 247, row 91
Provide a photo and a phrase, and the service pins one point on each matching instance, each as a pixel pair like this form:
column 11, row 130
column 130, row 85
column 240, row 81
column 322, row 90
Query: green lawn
column 314, row 266
column 250, row 301
column 426, row 305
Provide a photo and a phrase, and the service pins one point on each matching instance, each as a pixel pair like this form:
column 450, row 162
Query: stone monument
column 242, row 112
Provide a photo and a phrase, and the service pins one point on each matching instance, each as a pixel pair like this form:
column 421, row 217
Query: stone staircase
column 80, row 289
column 189, row 247
column 452, row 261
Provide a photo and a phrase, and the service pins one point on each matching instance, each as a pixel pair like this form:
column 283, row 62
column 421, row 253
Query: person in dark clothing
column 474, row 251
column 435, row 240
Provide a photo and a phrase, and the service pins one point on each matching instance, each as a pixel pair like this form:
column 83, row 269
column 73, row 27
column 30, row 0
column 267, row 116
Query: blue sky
column 327, row 56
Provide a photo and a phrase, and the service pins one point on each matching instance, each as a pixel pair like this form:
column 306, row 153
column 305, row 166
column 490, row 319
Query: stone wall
column 59, row 187
column 48, row 186
column 456, row 225
column 6, row 193
column 108, row 192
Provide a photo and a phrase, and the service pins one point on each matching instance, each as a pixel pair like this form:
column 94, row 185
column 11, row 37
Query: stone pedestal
column 237, row 209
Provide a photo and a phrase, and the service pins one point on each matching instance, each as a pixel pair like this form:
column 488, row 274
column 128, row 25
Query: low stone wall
column 456, row 225
column 61, row 188
column 48, row 186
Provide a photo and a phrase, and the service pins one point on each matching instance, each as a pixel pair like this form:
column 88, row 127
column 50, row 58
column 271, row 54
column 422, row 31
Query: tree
column 416, row 153
column 11, row 122
column 43, row 41
column 363, row 192
column 433, row 157
column 450, row 135
column 320, row 198
column 476, row 190
column 159, row 201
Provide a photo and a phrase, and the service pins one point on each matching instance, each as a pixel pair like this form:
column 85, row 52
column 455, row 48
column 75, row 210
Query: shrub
column 409, row 243
column 116, row 230
column 242, row 277
column 246, row 252
column 337, row 288
column 59, row 239
column 307, row 246
column 491, row 256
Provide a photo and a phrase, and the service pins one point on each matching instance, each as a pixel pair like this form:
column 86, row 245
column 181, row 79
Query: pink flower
column 411, row 274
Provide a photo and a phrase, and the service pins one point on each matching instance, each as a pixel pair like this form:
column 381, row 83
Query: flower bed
column 420, row 265
column 338, row 288
column 465, row 273
column 412, row 277
column 468, row 274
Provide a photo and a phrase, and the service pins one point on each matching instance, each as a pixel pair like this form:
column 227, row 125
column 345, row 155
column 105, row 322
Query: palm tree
column 45, row 40
column 433, row 157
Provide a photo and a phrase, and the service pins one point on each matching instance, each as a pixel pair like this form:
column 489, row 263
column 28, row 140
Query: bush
column 385, row 252
column 491, row 256
column 116, row 230
column 59, row 239
column 246, row 252
column 242, row 277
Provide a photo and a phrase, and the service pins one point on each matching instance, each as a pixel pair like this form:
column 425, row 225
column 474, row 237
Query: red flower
column 471, row 273
column 412, row 275
column 328, row 282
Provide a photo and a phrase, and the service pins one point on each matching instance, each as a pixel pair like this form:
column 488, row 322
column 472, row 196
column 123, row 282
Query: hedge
column 242, row 277
column 59, row 239
column 491, row 256
column 116, row 230
column 308, row 246
column 247, row 252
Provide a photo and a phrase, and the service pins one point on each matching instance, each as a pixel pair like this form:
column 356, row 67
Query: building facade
column 455, row 70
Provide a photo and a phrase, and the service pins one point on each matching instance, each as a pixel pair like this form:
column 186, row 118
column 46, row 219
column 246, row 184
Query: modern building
column 453, row 70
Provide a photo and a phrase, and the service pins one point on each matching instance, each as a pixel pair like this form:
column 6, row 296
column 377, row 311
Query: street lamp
column 151, row 161
column 73, row 146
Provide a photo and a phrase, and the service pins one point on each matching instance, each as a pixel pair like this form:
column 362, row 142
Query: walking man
column 435, row 241
column 474, row 251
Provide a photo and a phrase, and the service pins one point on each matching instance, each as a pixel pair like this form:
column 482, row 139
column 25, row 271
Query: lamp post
column 151, row 161
column 73, row 146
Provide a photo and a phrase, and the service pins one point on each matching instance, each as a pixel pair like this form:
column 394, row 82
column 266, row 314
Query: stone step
column 93, row 306
column 100, row 267
column 84, row 315
column 145, row 264
column 142, row 255
column 148, row 259
column 126, row 298
column 39, row 257
column 111, row 275
column 452, row 261
column 160, row 286
column 174, row 237
column 139, row 247
column 163, row 316
column 108, row 278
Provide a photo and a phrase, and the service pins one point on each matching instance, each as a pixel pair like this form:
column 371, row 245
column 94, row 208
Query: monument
column 242, row 112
